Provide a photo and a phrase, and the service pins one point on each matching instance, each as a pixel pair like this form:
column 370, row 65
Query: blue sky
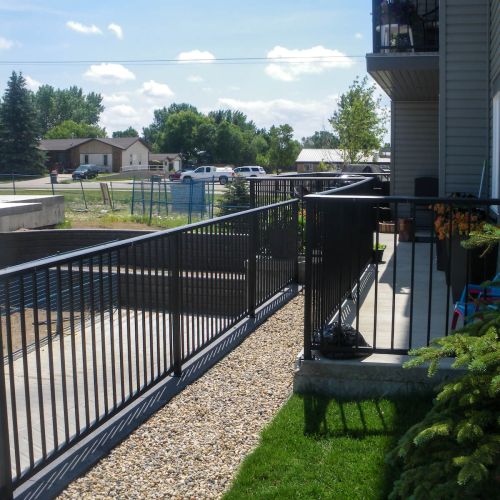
column 302, row 94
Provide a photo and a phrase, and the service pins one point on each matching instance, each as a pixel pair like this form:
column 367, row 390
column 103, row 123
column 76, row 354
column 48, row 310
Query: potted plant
column 378, row 252
column 455, row 223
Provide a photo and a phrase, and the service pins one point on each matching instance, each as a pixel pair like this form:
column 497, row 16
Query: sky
column 108, row 47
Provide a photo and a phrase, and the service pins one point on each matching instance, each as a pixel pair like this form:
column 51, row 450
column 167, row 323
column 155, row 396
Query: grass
column 325, row 449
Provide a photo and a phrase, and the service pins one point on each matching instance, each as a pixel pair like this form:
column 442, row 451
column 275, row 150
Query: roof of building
column 65, row 144
column 164, row 156
column 333, row 156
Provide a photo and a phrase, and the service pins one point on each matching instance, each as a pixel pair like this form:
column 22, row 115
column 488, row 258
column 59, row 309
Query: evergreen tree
column 235, row 198
column 19, row 134
column 454, row 452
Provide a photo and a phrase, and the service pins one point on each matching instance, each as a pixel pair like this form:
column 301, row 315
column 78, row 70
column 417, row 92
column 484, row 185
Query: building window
column 86, row 157
column 495, row 164
column 131, row 158
column 105, row 160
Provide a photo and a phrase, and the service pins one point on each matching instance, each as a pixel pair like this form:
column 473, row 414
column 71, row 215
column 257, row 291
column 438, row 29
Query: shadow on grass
column 326, row 418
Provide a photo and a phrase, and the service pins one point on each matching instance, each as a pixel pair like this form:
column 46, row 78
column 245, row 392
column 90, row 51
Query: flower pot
column 378, row 256
column 406, row 229
column 480, row 268
column 441, row 255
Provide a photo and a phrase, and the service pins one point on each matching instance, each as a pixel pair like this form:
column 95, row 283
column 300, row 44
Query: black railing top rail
column 360, row 182
column 319, row 176
column 405, row 199
column 58, row 260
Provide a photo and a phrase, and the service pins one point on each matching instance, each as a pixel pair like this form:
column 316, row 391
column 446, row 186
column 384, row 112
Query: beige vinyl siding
column 464, row 94
column 415, row 147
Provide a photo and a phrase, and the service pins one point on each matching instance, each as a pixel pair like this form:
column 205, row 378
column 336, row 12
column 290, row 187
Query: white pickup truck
column 208, row 173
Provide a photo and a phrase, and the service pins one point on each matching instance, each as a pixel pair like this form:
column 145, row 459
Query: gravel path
column 193, row 446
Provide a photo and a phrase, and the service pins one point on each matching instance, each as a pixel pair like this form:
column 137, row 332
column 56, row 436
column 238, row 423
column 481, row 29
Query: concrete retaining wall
column 378, row 375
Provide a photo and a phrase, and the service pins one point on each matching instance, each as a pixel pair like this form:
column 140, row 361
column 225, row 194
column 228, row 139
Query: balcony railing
column 359, row 303
column 405, row 26
column 84, row 334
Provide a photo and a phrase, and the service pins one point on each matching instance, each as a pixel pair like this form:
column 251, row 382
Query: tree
column 283, row 148
column 321, row 140
column 129, row 132
column 236, row 197
column 72, row 130
column 19, row 134
column 55, row 106
column 357, row 122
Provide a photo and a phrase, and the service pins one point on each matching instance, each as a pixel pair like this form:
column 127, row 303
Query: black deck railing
column 84, row 334
column 405, row 26
column 355, row 303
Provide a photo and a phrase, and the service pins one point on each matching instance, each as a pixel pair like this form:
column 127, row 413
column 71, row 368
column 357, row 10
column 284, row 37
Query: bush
column 236, row 197
column 453, row 452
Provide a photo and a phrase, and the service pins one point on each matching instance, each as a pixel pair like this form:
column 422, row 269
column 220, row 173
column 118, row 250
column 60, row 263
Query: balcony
column 405, row 58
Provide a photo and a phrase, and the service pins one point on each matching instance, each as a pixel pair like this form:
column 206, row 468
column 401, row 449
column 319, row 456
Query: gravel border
column 193, row 446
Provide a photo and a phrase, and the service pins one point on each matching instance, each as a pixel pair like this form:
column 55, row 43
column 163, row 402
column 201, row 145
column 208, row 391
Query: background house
column 169, row 161
column 309, row 159
column 111, row 154
column 441, row 68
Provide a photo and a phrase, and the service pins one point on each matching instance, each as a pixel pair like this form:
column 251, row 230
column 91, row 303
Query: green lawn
column 318, row 448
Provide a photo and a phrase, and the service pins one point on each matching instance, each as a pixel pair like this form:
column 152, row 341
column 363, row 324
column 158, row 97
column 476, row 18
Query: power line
column 169, row 62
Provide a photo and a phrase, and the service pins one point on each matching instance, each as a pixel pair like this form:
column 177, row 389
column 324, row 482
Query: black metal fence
column 360, row 302
column 84, row 334
column 405, row 25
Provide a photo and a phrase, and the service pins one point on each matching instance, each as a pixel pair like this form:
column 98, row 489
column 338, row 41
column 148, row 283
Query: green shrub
column 453, row 452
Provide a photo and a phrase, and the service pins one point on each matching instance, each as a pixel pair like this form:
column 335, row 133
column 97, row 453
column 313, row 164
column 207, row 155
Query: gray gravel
column 193, row 446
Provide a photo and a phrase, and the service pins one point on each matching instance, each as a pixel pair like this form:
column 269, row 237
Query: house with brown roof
column 110, row 154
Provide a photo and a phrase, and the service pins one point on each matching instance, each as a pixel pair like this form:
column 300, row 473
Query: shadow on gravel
column 57, row 475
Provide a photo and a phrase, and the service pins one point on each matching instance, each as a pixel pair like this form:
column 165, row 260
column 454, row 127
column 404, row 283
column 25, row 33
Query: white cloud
column 234, row 88
column 31, row 83
column 122, row 116
column 195, row 79
column 108, row 73
column 116, row 30
column 5, row 44
column 82, row 28
column 201, row 56
column 304, row 116
column 118, row 98
column 358, row 36
column 297, row 62
column 156, row 90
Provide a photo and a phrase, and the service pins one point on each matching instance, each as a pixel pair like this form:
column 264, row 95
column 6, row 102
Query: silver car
column 250, row 171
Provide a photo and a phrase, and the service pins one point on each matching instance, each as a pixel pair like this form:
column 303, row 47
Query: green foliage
column 283, row 148
column 129, row 132
column 487, row 237
column 55, row 106
column 236, row 197
column 454, row 451
column 73, row 130
column 358, row 122
column 19, row 133
column 321, row 140
column 222, row 136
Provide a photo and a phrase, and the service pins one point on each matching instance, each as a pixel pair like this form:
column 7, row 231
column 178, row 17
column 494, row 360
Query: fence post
column 295, row 228
column 308, row 279
column 252, row 193
column 5, row 466
column 14, row 182
column 252, row 264
column 175, row 300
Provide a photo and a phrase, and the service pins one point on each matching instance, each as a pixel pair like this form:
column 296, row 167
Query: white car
column 250, row 171
column 208, row 173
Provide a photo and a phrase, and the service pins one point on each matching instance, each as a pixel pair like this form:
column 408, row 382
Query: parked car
column 85, row 172
column 206, row 173
column 250, row 171
column 176, row 176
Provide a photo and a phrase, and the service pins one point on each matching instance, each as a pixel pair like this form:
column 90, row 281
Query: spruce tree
column 19, row 135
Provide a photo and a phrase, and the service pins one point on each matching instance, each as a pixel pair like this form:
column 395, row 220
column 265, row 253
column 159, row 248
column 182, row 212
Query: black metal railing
column 358, row 302
column 85, row 333
column 405, row 26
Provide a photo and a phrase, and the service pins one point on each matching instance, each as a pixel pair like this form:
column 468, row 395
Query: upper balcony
column 405, row 58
